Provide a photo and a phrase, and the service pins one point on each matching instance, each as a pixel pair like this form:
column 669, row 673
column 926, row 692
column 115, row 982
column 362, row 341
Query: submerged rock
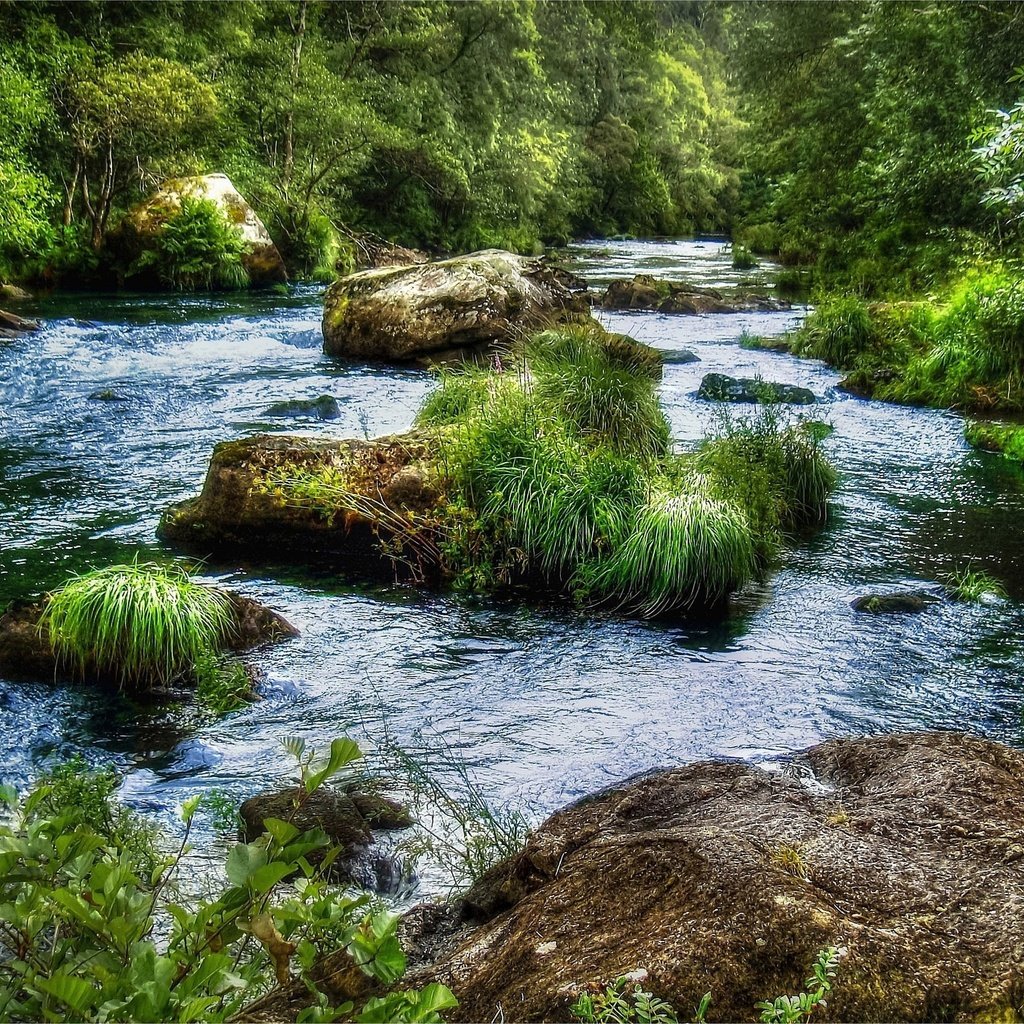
column 26, row 654
column 348, row 818
column 907, row 851
column 647, row 292
column 895, row 601
column 720, row 387
column 403, row 313
column 136, row 232
column 323, row 408
column 240, row 508
column 107, row 395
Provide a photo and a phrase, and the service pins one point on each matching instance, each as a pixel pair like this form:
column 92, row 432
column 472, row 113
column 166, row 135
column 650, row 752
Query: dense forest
column 878, row 142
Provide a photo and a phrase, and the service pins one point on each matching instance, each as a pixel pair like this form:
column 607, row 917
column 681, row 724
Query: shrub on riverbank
column 143, row 625
column 963, row 352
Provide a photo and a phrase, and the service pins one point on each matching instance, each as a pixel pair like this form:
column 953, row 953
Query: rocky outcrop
column 907, row 851
column 135, row 233
column 400, row 314
column 348, row 817
column 649, row 293
column 895, row 602
column 13, row 326
column 26, row 654
column 720, row 387
column 243, row 508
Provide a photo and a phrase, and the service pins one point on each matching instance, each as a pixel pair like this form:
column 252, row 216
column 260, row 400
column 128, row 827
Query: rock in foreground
column 13, row 326
column 908, row 850
column 649, row 293
column 399, row 314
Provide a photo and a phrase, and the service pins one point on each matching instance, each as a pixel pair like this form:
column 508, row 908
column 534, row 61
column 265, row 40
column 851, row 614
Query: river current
column 540, row 704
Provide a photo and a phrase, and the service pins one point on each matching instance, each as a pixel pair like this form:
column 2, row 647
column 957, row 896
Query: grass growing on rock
column 554, row 470
column 143, row 624
column 1002, row 439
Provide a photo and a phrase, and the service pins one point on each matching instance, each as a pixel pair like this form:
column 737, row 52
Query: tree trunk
column 288, row 163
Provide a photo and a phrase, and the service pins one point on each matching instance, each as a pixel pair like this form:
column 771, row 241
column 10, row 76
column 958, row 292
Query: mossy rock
column 720, row 387
column 323, row 408
column 645, row 292
column 404, row 313
column 895, row 602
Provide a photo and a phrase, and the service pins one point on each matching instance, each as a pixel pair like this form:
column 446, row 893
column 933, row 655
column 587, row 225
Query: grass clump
column 743, row 258
column 554, row 471
column 838, row 331
column 1001, row 439
column 143, row 624
column 972, row 586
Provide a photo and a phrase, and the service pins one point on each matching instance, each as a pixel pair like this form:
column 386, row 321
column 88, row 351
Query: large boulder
column 400, row 314
column 26, row 653
column 650, row 293
column 242, row 508
column 135, row 233
column 907, row 851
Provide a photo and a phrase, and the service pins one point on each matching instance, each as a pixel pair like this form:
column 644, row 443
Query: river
column 541, row 704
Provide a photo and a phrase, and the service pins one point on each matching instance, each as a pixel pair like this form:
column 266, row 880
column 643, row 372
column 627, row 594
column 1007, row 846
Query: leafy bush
column 743, row 258
column 91, row 931
column 197, row 249
column 142, row 624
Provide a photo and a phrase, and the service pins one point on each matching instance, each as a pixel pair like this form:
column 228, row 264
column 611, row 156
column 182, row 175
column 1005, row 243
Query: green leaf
column 79, row 995
column 343, row 752
column 264, row 879
column 243, row 860
column 283, row 831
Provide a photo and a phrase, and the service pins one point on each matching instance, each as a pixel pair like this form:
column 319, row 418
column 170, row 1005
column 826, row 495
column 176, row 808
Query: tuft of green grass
column 222, row 684
column 682, row 548
column 838, row 331
column 972, row 586
column 743, row 258
column 143, row 624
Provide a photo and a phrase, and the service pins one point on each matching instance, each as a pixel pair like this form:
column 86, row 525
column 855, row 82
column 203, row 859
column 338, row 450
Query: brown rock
column 724, row 878
column 239, row 509
column 647, row 292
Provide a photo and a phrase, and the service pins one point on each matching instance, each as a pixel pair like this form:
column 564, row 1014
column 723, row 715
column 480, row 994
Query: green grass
column 142, row 624
column 838, row 331
column 1002, row 439
column 558, row 476
column 972, row 586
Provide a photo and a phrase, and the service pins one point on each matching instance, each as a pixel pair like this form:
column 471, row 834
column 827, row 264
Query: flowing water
column 541, row 704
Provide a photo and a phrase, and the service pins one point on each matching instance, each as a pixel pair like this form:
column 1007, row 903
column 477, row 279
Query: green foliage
column 222, row 684
column 743, row 258
column 791, row 1009
column 142, row 624
column 838, row 331
column 557, row 471
column 197, row 249
column 623, row 1002
column 972, row 586
column 1002, row 439
column 90, row 930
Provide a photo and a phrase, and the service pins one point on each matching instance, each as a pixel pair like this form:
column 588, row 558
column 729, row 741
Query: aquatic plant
column 972, row 585
column 142, row 624
column 683, row 546
column 743, row 258
column 94, row 926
